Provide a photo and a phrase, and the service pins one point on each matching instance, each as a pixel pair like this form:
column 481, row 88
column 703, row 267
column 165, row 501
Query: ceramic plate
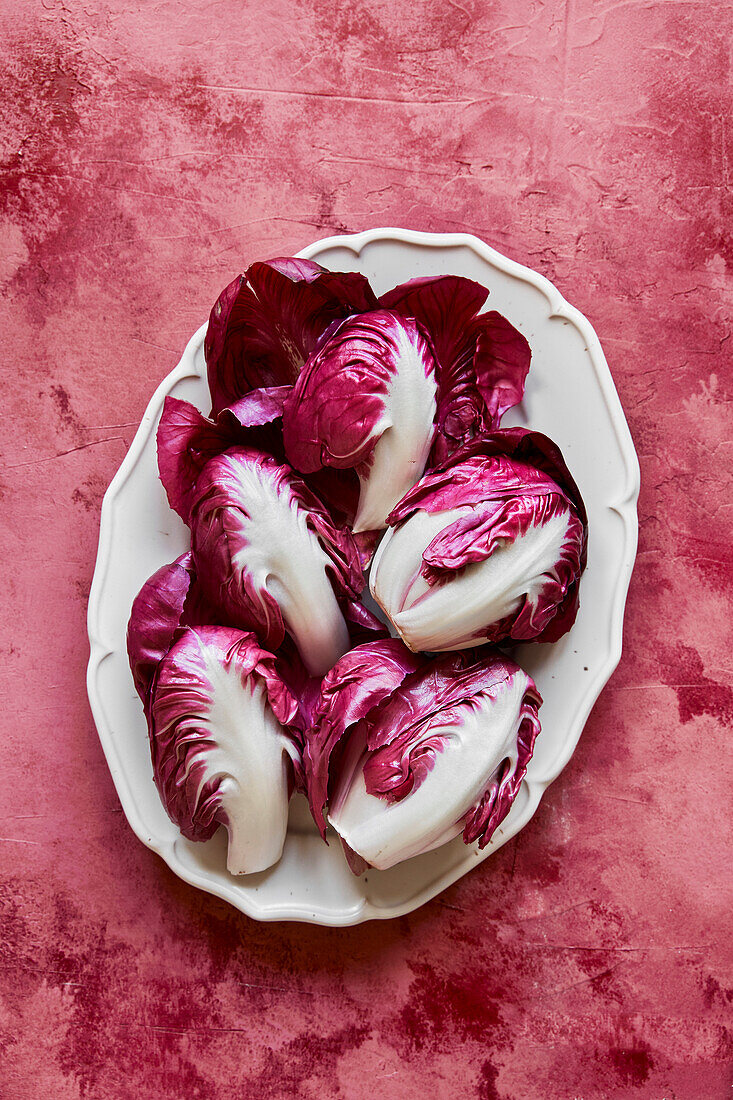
column 570, row 396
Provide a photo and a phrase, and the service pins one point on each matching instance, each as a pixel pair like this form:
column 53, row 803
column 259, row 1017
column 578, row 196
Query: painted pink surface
column 150, row 151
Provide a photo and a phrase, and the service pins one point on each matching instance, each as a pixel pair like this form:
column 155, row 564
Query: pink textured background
column 150, row 151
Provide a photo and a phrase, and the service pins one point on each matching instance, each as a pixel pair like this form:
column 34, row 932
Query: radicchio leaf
column 482, row 359
column 267, row 322
column 222, row 750
column 362, row 678
column 366, row 400
column 362, row 626
column 444, row 754
column 187, row 440
column 500, row 364
column 489, row 546
column 270, row 557
column 258, row 407
column 168, row 600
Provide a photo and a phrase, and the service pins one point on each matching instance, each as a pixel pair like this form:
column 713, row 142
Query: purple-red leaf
column 443, row 753
column 258, row 407
column 362, row 678
column 270, row 557
column 482, row 359
column 222, row 748
column 488, row 546
column 168, row 600
column 267, row 322
column 366, row 400
column 500, row 364
column 187, row 440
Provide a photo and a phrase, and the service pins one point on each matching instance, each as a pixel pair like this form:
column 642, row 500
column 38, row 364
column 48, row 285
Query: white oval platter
column 570, row 396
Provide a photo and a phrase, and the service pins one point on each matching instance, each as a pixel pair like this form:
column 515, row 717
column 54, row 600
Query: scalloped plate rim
column 625, row 507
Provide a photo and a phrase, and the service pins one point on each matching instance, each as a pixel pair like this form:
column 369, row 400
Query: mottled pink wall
column 150, row 150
